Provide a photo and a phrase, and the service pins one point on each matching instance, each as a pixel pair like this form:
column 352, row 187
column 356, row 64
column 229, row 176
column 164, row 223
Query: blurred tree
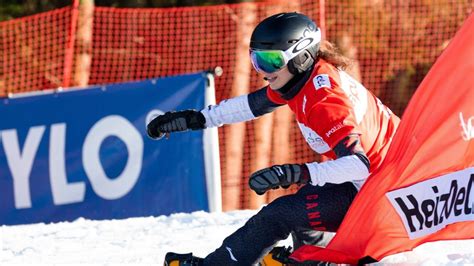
column 10, row 9
column 164, row 3
column 18, row 8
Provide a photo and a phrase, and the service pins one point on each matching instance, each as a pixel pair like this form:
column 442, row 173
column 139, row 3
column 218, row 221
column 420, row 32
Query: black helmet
column 285, row 30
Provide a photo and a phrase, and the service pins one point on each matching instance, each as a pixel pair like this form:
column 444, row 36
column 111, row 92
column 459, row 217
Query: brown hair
column 331, row 54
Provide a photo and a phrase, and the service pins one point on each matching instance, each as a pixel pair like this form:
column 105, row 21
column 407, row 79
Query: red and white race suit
column 332, row 105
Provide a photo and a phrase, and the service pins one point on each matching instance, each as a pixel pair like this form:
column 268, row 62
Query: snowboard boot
column 278, row 256
column 175, row 259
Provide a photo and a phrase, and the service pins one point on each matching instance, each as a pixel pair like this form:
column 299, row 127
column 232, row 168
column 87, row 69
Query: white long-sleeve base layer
column 345, row 169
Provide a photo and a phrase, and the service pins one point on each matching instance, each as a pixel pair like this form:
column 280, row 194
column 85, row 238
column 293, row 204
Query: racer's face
column 279, row 78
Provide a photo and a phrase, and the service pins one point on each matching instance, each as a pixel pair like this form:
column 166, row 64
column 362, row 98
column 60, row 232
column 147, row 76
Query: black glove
column 174, row 122
column 278, row 175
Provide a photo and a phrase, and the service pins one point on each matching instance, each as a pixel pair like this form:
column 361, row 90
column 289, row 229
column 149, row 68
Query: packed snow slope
column 146, row 241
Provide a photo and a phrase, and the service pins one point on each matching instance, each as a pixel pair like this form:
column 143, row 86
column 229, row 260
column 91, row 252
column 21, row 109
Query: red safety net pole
column 69, row 55
column 322, row 18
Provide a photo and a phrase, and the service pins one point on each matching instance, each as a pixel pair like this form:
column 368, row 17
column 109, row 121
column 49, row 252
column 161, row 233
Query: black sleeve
column 259, row 102
column 350, row 145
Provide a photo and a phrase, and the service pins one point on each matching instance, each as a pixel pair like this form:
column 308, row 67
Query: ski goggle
column 270, row 61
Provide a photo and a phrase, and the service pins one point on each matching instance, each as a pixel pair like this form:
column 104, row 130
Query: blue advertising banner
column 85, row 153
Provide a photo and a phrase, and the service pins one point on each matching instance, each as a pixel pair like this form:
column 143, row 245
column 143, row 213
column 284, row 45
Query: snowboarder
column 337, row 116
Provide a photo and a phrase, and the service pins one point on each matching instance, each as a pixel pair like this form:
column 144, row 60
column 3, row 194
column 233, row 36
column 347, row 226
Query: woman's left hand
column 278, row 176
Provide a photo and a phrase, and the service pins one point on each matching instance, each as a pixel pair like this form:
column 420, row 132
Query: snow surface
column 145, row 241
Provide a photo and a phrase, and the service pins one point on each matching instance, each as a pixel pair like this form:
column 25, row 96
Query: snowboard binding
column 175, row 259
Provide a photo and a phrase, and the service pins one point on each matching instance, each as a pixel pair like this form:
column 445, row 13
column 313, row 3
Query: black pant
column 312, row 210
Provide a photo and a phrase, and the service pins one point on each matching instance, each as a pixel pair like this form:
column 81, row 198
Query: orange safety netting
column 393, row 44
